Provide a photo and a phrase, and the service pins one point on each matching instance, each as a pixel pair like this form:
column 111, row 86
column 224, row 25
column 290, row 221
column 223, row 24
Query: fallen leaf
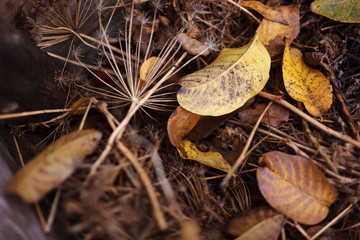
column 146, row 67
column 278, row 23
column 180, row 123
column 306, row 84
column 212, row 159
column 207, row 124
column 338, row 10
column 53, row 165
column 294, row 186
column 258, row 224
column 274, row 116
column 193, row 46
column 223, row 86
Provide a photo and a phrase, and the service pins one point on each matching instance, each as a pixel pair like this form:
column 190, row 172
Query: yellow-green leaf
column 212, row 159
column 306, row 84
column 53, row 165
column 258, row 224
column 294, row 186
column 338, row 10
column 223, row 86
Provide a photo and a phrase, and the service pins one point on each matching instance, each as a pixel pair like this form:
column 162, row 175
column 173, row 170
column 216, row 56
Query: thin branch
column 242, row 156
column 159, row 216
column 309, row 119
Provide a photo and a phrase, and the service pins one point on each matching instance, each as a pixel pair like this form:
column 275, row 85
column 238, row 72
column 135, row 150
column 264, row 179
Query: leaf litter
column 113, row 203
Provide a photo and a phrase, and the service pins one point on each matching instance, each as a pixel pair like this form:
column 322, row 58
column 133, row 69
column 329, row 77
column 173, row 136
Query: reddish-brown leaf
column 294, row 186
column 180, row 123
column 274, row 116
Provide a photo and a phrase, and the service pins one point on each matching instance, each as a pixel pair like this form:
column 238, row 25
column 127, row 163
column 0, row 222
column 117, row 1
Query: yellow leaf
column 53, row 165
column 223, row 86
column 258, row 224
column 338, row 10
column 278, row 23
column 306, row 84
column 146, row 67
column 294, row 186
column 211, row 159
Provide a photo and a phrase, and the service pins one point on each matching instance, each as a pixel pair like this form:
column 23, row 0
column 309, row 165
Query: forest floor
column 137, row 183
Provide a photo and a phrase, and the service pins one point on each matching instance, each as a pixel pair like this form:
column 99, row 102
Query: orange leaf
column 180, row 123
column 306, row 84
column 261, row 224
column 53, row 165
column 278, row 23
column 295, row 187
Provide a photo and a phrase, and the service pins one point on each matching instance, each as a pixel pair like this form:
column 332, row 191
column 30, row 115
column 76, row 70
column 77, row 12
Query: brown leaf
column 258, row 224
column 180, row 123
column 192, row 45
column 278, row 23
column 207, row 124
column 53, row 165
column 274, row 116
column 294, row 186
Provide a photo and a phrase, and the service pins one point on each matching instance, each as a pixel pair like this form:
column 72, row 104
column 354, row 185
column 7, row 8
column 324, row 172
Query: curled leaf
column 278, row 23
column 223, row 86
column 295, row 187
column 212, row 159
column 53, row 165
column 258, row 224
column 338, row 10
column 180, row 123
column 306, row 84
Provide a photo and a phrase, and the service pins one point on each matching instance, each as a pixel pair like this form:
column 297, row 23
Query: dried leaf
column 146, row 67
column 338, row 10
column 306, row 84
column 258, row 224
column 274, row 116
column 53, row 165
column 192, row 45
column 278, row 23
column 180, row 123
column 295, row 187
column 223, row 86
column 212, row 159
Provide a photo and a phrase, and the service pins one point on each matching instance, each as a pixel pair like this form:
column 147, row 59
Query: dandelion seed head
column 77, row 52
column 212, row 43
column 126, row 16
column 143, row 19
column 159, row 4
column 197, row 7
